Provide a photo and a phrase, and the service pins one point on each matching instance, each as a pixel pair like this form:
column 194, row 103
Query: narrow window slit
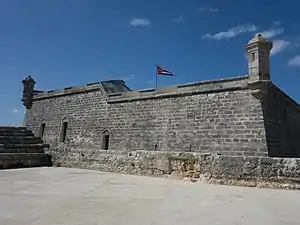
column 105, row 140
column 42, row 130
column 63, row 132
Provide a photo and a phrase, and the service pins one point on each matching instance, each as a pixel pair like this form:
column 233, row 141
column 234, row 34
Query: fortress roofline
column 114, row 88
column 258, row 51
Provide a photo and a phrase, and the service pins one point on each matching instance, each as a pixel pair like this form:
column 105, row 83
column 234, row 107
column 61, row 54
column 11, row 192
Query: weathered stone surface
column 19, row 148
column 240, row 170
column 282, row 123
column 236, row 122
column 229, row 122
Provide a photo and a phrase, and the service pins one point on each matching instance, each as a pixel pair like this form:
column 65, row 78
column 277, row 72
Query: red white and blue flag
column 161, row 71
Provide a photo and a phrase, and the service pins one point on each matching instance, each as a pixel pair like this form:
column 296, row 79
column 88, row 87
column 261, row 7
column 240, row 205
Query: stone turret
column 28, row 89
column 258, row 50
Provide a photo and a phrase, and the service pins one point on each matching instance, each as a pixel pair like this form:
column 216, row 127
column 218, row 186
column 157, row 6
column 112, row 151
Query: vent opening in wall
column 42, row 130
column 252, row 56
column 105, row 140
column 63, row 132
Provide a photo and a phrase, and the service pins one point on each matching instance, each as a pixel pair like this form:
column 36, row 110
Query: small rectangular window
column 63, row 132
column 42, row 130
column 105, row 142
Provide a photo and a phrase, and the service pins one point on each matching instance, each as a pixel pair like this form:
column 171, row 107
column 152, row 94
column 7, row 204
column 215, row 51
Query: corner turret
column 258, row 50
column 28, row 89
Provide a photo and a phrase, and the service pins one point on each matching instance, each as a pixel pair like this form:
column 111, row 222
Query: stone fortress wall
column 228, row 129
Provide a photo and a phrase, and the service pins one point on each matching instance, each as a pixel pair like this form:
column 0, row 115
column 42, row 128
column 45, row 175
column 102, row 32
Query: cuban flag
column 161, row 71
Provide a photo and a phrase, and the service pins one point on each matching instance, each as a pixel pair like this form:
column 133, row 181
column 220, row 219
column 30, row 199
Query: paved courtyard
column 42, row 196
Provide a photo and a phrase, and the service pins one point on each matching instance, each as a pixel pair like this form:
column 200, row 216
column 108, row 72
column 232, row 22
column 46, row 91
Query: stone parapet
column 175, row 90
column 203, row 87
column 67, row 91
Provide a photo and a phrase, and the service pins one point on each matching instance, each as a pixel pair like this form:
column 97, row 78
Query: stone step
column 15, row 131
column 20, row 141
column 5, row 138
column 18, row 134
column 2, row 128
column 21, row 150
column 24, row 146
column 23, row 137
column 12, row 128
column 21, row 160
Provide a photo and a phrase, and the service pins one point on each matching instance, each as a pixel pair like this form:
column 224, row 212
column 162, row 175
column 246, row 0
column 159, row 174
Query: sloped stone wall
column 282, row 123
column 212, row 168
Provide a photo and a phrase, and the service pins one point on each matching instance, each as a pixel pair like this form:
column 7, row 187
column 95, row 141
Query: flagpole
column 156, row 79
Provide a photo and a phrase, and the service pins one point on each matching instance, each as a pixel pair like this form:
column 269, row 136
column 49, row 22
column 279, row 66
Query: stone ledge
column 67, row 91
column 23, row 160
column 204, row 87
column 237, row 170
column 168, row 91
column 108, row 86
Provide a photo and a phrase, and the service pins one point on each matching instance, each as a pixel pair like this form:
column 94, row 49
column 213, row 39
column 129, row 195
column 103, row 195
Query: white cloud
column 277, row 23
column 127, row 78
column 208, row 9
column 15, row 111
column 232, row 32
column 297, row 42
column 150, row 81
column 294, row 61
column 177, row 19
column 140, row 22
column 271, row 32
column 279, row 46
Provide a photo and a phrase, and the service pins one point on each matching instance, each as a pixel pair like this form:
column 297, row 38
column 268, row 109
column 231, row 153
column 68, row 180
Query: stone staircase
column 19, row 148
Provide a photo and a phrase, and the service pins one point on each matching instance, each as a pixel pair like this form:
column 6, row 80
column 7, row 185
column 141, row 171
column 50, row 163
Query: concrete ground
column 42, row 196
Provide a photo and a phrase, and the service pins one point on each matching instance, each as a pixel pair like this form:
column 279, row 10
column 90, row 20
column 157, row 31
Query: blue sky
column 73, row 42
